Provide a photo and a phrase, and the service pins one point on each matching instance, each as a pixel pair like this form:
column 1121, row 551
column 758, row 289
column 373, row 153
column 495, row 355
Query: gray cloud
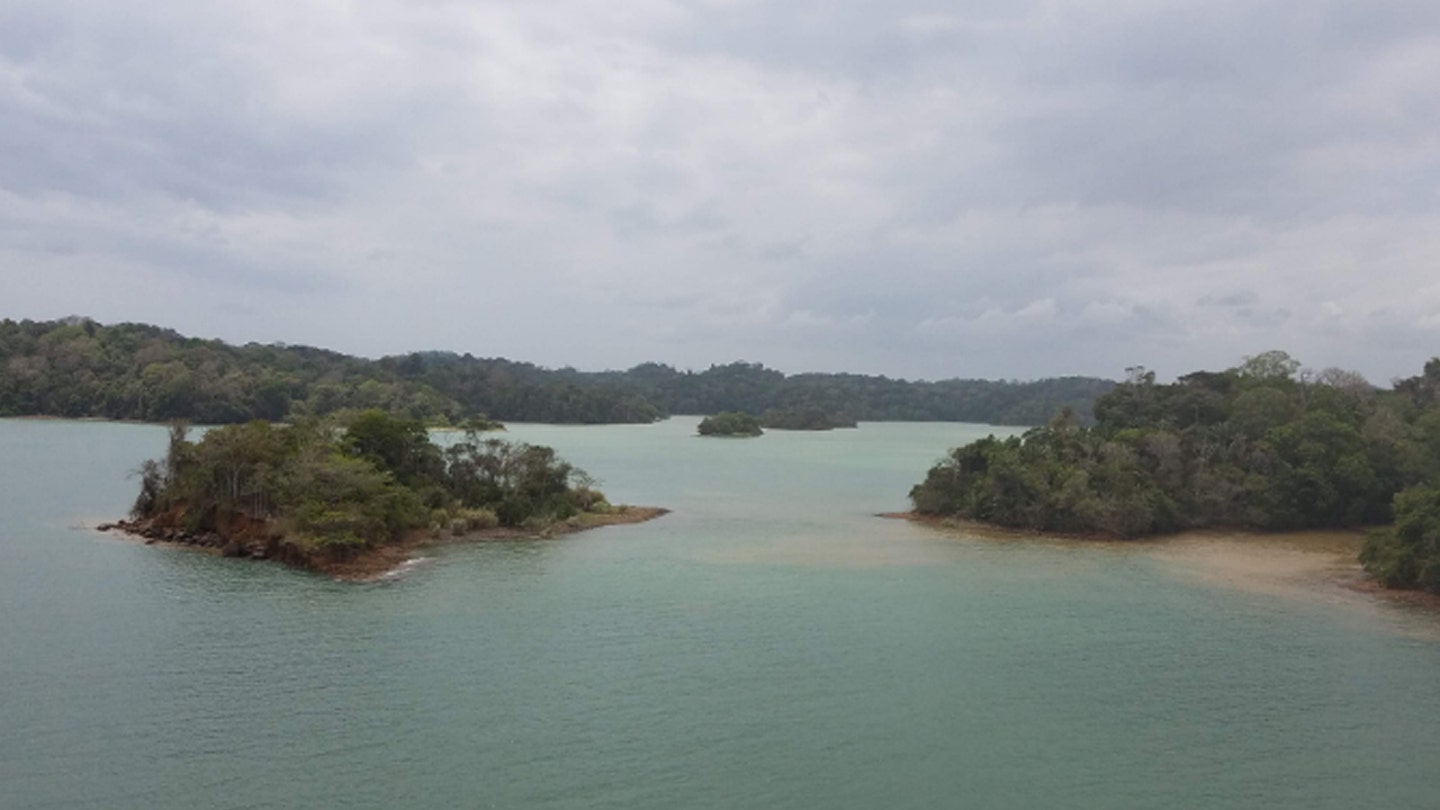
column 1243, row 298
column 1010, row 189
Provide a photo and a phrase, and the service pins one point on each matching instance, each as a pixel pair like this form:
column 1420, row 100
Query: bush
column 479, row 519
column 1408, row 555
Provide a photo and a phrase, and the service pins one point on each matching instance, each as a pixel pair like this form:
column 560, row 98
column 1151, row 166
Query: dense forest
column 752, row 388
column 318, row 491
column 79, row 368
column 1260, row 446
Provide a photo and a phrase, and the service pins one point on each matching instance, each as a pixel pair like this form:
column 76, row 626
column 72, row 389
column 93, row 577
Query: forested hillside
column 752, row 388
column 79, row 368
column 1260, row 446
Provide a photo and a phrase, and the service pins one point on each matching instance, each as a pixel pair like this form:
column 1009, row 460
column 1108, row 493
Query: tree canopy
column 332, row 489
column 79, row 368
column 730, row 423
column 1261, row 446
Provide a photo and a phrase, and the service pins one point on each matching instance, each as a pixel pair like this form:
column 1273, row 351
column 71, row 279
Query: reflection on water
column 830, row 550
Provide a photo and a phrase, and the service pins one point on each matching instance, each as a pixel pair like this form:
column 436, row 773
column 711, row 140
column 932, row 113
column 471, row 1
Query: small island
column 356, row 500
column 804, row 419
column 732, row 424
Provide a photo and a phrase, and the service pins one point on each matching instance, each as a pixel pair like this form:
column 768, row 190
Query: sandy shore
column 1308, row 563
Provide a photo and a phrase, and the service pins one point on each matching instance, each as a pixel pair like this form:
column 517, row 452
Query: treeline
column 1260, row 446
column 316, row 491
column 79, row 368
column 523, row 392
column 752, row 388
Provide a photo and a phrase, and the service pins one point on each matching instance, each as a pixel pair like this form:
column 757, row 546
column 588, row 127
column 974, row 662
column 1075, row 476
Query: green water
column 768, row 645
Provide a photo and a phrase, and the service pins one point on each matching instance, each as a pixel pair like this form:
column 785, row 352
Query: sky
column 998, row 189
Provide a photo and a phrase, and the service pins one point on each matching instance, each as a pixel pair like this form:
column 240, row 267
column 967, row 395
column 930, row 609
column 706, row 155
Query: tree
column 1271, row 365
column 399, row 446
column 1408, row 555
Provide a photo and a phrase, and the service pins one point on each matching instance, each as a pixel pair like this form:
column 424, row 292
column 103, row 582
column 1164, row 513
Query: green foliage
column 77, row 367
column 1270, row 366
column 333, row 499
column 525, row 392
column 371, row 483
column 398, row 446
column 1258, row 446
column 731, row 423
column 519, row 482
column 1054, row 479
column 1408, row 554
column 752, row 388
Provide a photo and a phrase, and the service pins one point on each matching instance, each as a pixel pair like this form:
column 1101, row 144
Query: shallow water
column 769, row 644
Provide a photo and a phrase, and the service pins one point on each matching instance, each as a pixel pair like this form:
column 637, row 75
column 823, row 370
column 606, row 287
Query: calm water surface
column 770, row 644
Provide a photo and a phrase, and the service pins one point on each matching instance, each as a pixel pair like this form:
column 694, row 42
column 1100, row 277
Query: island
column 731, row 424
column 354, row 500
column 804, row 419
column 1264, row 446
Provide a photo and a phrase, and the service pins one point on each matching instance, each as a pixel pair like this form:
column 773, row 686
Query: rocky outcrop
column 267, row 547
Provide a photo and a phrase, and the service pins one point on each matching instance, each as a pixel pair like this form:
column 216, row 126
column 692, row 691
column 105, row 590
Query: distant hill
column 77, row 367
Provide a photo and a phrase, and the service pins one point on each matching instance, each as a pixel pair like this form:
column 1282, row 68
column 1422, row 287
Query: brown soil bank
column 258, row 540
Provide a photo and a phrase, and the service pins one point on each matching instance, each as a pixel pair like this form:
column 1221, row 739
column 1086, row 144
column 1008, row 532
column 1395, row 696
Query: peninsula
column 1262, row 447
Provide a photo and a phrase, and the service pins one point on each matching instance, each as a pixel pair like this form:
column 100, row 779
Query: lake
column 770, row 644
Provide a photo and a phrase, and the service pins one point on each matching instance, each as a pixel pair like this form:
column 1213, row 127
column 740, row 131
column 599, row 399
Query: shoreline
column 1245, row 559
column 377, row 563
column 372, row 563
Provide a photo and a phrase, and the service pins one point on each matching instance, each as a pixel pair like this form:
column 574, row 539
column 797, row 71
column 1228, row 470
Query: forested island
column 732, row 424
column 804, row 419
column 352, row 498
column 739, row 423
column 1261, row 446
column 76, row 367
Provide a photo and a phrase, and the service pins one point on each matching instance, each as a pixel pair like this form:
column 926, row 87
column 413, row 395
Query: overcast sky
column 922, row 189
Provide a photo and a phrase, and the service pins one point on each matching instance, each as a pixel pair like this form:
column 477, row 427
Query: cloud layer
column 1012, row 190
